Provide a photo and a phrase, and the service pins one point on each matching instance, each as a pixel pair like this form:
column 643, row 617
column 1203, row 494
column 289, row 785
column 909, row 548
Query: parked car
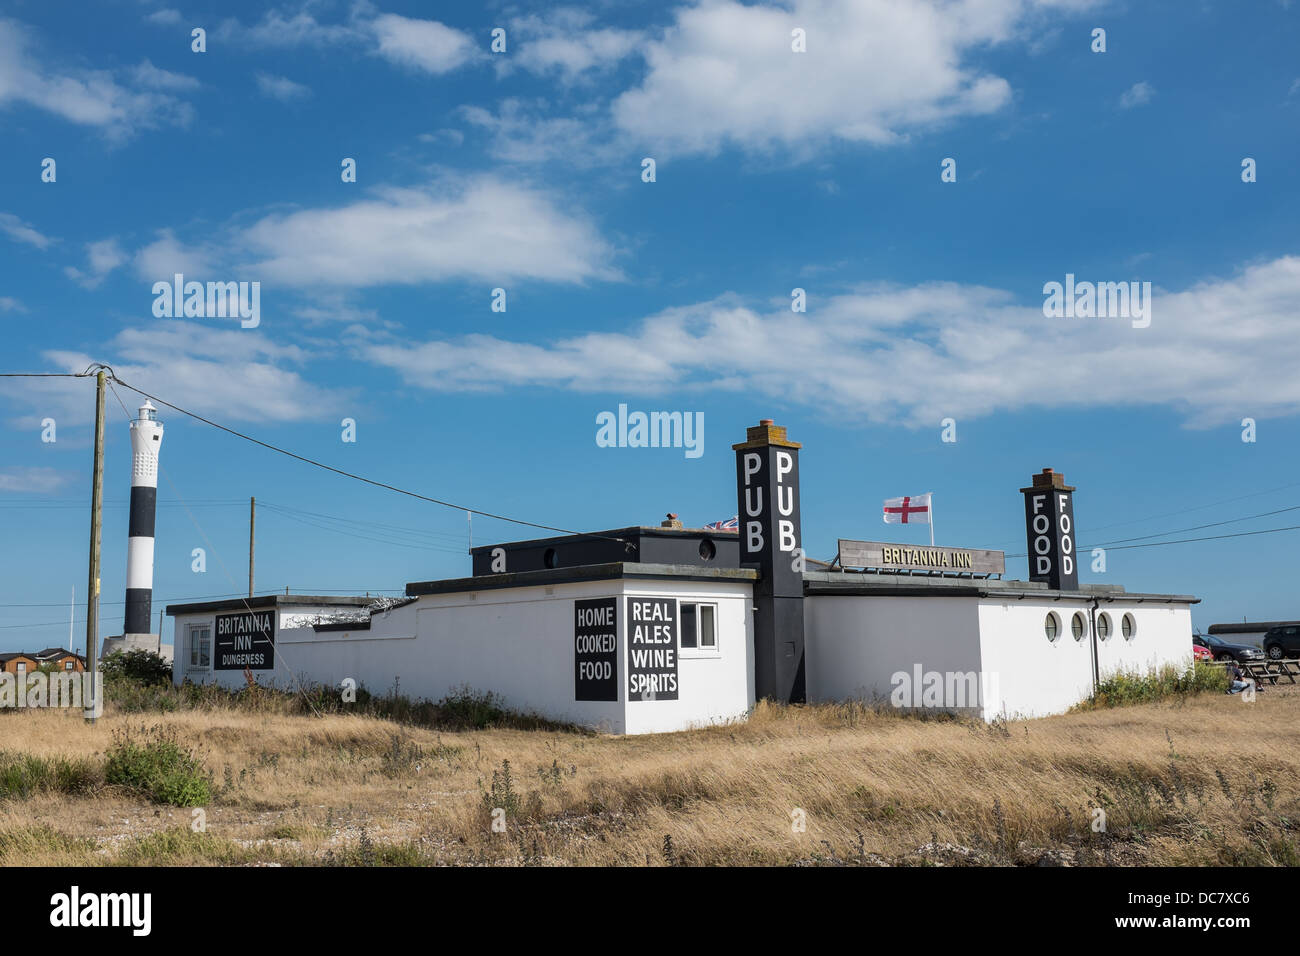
column 1223, row 651
column 1282, row 641
column 1199, row 651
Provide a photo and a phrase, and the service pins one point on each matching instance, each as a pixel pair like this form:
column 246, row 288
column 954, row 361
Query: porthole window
column 1103, row 626
column 1078, row 625
column 550, row 558
column 1052, row 627
column 1129, row 627
column 708, row 550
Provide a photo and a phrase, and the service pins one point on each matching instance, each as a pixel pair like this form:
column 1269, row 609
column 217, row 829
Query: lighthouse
column 146, row 438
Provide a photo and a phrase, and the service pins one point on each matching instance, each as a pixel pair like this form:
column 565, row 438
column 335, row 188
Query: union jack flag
column 731, row 524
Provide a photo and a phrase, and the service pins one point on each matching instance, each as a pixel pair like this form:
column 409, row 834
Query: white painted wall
column 713, row 688
column 854, row 644
column 1035, row 677
column 514, row 642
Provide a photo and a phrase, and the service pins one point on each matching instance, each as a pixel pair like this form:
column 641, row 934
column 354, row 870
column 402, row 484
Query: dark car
column 1282, row 641
column 1223, row 651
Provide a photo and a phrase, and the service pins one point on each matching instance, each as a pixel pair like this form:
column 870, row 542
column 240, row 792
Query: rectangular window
column 700, row 627
column 67, row 665
column 22, row 667
column 200, row 647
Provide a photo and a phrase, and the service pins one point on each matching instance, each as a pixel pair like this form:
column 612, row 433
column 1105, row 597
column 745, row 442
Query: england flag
column 908, row 510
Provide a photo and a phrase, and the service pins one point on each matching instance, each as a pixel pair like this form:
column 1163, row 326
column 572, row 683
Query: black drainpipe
column 1096, row 675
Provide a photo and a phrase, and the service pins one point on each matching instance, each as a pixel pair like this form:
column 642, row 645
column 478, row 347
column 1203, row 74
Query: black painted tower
column 146, row 437
column 771, row 540
column 1049, row 531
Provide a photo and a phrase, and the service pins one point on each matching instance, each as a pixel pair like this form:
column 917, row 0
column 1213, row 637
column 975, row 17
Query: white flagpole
column 932, row 520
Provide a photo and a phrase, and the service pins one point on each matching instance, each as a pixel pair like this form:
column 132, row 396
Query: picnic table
column 1267, row 670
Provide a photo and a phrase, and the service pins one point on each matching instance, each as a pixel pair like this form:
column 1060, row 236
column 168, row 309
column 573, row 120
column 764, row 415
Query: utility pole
column 90, row 702
column 252, row 521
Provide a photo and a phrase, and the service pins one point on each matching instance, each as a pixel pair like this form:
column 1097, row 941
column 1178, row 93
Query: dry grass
column 1209, row 780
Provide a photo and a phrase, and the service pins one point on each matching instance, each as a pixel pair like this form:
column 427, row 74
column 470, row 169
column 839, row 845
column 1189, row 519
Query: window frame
column 191, row 631
column 1081, row 631
column 1128, row 626
column 1105, row 627
column 699, row 650
column 1052, row 632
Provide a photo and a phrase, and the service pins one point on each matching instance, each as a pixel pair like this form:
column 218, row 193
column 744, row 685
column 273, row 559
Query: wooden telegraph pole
column 252, row 520
column 90, row 701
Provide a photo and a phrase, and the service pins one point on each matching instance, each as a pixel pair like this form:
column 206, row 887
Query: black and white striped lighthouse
column 146, row 438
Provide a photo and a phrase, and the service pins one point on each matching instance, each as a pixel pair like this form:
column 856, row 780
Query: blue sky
column 522, row 170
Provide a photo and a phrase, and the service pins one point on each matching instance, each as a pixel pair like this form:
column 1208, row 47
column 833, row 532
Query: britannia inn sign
column 645, row 629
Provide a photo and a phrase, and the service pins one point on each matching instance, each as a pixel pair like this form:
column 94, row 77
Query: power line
column 1161, row 534
column 371, row 525
column 361, row 478
column 1212, row 537
column 362, row 537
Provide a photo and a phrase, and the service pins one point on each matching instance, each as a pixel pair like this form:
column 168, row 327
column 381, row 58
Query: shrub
column 37, row 845
column 153, row 762
column 140, row 665
column 21, row 775
column 1127, row 687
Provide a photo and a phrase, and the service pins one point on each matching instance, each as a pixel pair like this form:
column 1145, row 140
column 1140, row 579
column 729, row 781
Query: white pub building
column 651, row 629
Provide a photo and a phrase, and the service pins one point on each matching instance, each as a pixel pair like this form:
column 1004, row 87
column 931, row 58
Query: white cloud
column 20, row 231
column 226, row 374
column 724, row 73
column 85, row 97
column 102, row 258
column 477, row 227
column 1139, row 94
column 520, row 133
column 278, row 29
column 1218, row 351
column 281, row 88
column 150, row 76
column 166, row 17
column 480, row 228
column 564, row 42
column 425, row 45
column 9, row 304
column 452, row 136
column 21, row 480
column 167, row 255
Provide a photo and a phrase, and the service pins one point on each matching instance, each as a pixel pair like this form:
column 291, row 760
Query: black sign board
column 595, row 649
column 767, row 504
column 246, row 639
column 652, row 635
column 1049, row 531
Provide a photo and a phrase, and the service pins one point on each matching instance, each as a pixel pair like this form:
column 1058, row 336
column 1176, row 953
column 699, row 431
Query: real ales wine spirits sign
column 652, row 635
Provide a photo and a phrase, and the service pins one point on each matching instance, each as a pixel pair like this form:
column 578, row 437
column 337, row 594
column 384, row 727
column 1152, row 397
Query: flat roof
column 584, row 572
column 633, row 531
column 261, row 601
column 1246, row 627
column 902, row 585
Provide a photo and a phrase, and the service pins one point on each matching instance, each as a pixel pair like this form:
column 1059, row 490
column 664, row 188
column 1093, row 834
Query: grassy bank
column 1185, row 779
